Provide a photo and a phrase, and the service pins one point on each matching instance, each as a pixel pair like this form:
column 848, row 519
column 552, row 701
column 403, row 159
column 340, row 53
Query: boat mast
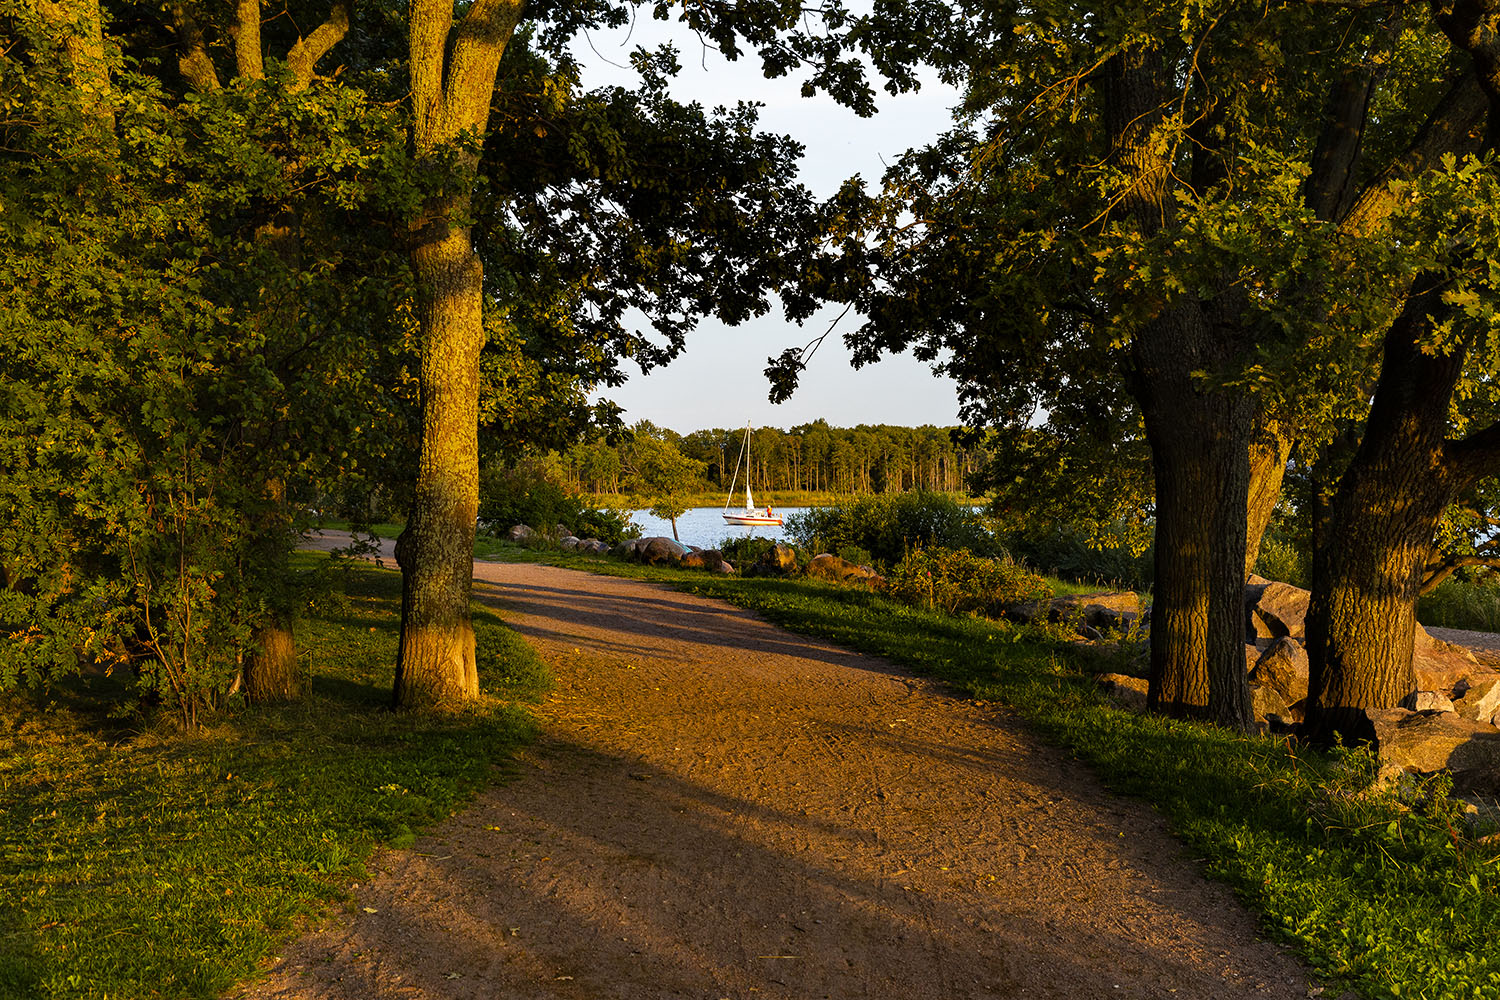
column 741, row 458
column 749, row 501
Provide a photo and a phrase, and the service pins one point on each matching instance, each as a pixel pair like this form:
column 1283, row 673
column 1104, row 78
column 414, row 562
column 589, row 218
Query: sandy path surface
column 721, row 809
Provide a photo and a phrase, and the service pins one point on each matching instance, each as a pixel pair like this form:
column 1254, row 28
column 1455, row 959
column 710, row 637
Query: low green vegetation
column 888, row 525
column 1391, row 894
column 1108, row 562
column 140, row 860
column 1460, row 603
column 958, row 582
column 524, row 495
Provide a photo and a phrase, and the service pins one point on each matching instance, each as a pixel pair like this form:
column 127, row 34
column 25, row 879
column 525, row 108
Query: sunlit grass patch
column 155, row 863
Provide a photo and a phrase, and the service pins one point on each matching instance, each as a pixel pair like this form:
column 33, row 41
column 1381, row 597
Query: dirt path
column 722, row 809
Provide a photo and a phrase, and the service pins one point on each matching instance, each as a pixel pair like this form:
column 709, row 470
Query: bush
column 524, row 495
column 744, row 550
column 1064, row 552
column 959, row 582
column 886, row 526
column 1281, row 560
column 1457, row 603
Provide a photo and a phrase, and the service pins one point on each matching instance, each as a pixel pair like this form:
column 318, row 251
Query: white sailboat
column 751, row 514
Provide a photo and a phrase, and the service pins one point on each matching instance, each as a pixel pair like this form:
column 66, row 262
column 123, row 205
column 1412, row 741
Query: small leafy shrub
column 524, row 495
column 855, row 555
column 1066, row 553
column 887, row 525
column 1281, row 560
column 745, row 549
column 1455, row 603
column 959, row 582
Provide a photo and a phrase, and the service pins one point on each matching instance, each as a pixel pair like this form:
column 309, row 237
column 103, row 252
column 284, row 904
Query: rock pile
column 1447, row 722
column 524, row 534
column 1096, row 614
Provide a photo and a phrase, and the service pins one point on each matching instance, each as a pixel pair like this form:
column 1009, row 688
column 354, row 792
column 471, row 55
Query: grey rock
column 1427, row 701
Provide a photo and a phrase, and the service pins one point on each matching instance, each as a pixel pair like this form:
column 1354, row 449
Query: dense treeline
column 878, row 458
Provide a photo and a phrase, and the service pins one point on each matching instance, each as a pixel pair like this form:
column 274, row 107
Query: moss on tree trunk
column 436, row 664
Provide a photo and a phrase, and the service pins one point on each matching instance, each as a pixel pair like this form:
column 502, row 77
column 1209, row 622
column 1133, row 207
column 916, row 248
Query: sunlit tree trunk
column 1269, row 451
column 453, row 71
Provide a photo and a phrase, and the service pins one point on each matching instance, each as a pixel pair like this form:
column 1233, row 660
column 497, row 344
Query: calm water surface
column 705, row 526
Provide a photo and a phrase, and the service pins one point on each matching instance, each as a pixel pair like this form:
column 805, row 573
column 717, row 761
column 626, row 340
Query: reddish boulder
column 830, row 567
column 1428, row 742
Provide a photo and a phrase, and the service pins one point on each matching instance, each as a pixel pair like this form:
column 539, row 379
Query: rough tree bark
column 1270, row 449
column 81, row 27
column 1199, row 436
column 451, row 89
column 1378, row 532
column 1375, row 540
column 1199, row 456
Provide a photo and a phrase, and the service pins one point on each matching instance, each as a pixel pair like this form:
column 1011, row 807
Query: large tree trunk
column 436, row 665
column 1378, row 532
column 1199, row 435
column 1199, row 456
column 453, row 71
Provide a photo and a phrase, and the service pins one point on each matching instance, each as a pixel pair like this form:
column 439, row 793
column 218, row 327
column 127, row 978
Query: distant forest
column 811, row 457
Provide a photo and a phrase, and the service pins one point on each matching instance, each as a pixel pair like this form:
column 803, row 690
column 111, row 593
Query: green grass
column 147, row 862
column 1389, row 901
column 386, row 529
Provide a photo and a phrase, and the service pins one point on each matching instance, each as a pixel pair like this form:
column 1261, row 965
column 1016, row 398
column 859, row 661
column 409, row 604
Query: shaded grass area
column 146, row 862
column 1388, row 900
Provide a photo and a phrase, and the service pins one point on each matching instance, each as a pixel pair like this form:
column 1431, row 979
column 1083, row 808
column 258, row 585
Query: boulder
column 1479, row 698
column 1278, row 681
column 593, row 545
column 1274, row 610
column 778, row 561
column 1442, row 666
column 627, row 548
column 523, row 534
column 711, row 560
column 659, row 551
column 826, row 566
column 560, row 531
column 1427, row 701
column 1428, row 742
column 1129, row 691
column 1103, row 610
column 570, row 543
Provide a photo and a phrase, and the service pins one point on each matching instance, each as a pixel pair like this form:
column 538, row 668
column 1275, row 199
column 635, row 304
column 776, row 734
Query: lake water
column 705, row 526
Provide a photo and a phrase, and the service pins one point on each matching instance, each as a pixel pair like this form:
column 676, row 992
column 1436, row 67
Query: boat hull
column 773, row 520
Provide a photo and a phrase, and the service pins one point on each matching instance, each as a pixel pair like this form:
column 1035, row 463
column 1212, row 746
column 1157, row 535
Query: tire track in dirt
column 721, row 809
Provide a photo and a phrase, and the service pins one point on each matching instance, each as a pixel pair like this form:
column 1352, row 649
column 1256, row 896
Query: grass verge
column 153, row 863
column 1390, row 900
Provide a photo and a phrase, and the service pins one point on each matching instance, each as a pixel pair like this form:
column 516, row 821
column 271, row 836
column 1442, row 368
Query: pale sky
column 718, row 380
